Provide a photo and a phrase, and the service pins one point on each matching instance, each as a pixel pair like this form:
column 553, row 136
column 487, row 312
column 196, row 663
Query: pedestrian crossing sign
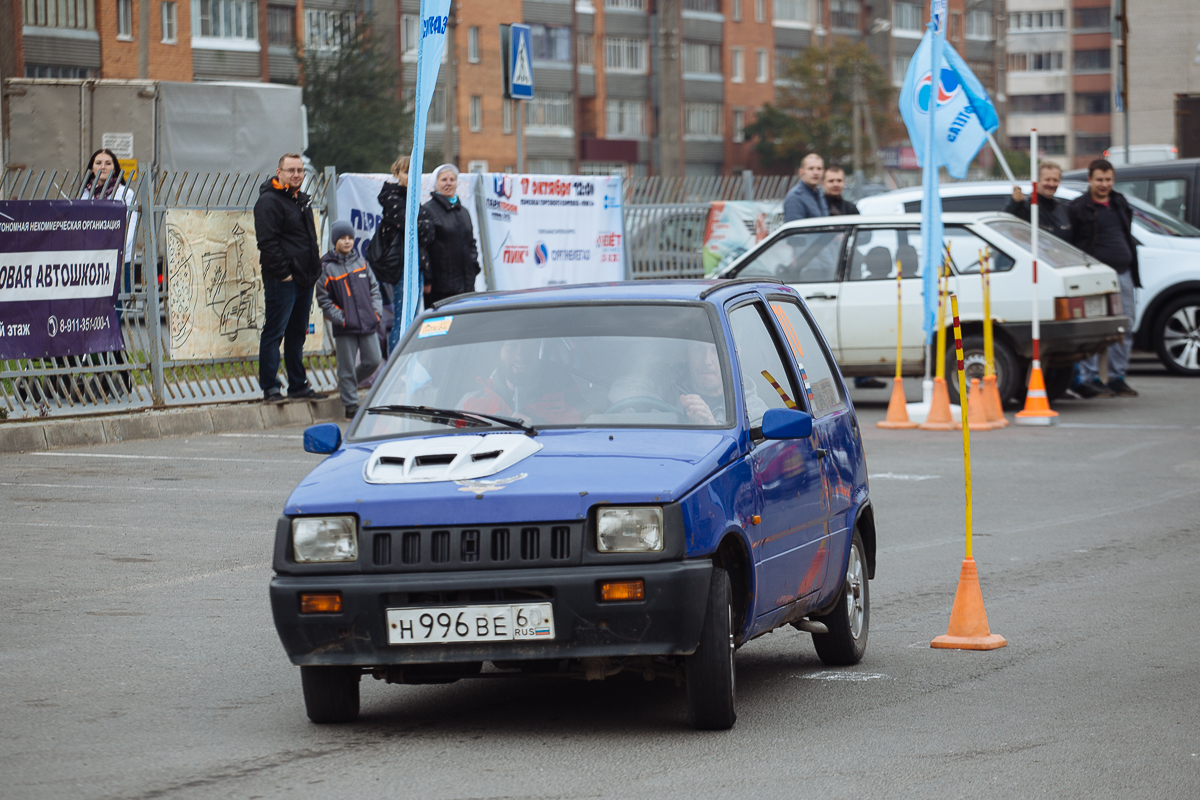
column 520, row 63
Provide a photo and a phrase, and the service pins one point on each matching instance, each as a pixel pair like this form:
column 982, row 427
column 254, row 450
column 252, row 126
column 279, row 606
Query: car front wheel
column 710, row 671
column 850, row 620
column 330, row 693
column 1176, row 336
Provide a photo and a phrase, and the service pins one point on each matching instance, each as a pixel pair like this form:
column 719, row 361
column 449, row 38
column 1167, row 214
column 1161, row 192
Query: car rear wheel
column 711, row 681
column 330, row 693
column 1176, row 336
column 1008, row 372
column 850, row 621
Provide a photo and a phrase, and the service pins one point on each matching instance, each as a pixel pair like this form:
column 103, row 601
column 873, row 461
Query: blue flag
column 431, row 42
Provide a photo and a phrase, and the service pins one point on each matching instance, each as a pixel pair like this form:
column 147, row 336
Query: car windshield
column 1158, row 221
column 1052, row 251
column 600, row 365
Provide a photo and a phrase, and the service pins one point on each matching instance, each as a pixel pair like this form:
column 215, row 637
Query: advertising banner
column 736, row 226
column 215, row 304
column 60, row 261
column 547, row 230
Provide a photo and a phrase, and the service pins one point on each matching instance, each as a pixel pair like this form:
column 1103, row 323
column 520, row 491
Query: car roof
column 952, row 217
column 662, row 290
column 960, row 189
column 1183, row 166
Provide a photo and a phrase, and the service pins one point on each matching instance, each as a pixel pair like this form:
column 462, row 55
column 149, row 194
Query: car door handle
column 820, row 452
column 821, row 296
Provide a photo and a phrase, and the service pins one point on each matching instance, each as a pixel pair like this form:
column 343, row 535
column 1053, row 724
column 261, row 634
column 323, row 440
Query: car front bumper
column 667, row 622
column 1066, row 341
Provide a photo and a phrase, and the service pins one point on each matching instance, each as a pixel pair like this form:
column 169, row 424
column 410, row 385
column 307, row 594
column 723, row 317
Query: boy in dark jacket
column 348, row 295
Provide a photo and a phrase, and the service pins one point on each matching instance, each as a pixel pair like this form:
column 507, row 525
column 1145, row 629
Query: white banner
column 57, row 275
column 358, row 203
column 548, row 230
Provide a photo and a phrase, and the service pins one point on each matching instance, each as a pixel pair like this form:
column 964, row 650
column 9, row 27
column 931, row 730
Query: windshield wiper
column 439, row 414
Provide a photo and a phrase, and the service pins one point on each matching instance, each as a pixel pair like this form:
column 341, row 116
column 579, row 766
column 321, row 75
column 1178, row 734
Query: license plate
column 519, row 622
column 1095, row 306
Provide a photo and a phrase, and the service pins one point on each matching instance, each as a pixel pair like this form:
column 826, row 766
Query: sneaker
column 869, row 383
column 307, row 393
column 274, row 396
column 351, row 411
column 1121, row 389
column 1093, row 388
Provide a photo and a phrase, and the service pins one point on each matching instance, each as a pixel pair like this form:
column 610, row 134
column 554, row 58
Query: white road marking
column 837, row 675
column 188, row 489
column 897, row 476
column 176, row 458
column 261, row 435
column 1126, row 426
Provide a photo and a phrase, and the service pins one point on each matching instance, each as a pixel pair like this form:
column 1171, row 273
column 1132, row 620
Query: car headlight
column 629, row 530
column 323, row 539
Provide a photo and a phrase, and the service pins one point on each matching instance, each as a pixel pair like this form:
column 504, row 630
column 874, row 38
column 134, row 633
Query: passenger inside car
column 528, row 386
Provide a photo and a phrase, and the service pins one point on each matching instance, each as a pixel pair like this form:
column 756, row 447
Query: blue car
column 577, row 481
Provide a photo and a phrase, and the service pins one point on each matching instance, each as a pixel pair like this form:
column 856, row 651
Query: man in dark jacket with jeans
column 1102, row 226
column 291, row 263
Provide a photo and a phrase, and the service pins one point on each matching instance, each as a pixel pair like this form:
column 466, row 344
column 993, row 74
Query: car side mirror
column 322, row 439
column 786, row 423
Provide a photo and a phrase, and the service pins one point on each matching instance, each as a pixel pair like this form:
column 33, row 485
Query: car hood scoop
column 447, row 458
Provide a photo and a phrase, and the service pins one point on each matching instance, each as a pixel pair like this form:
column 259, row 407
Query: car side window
column 800, row 257
column 765, row 379
column 876, row 251
column 965, row 248
column 821, row 386
column 1170, row 196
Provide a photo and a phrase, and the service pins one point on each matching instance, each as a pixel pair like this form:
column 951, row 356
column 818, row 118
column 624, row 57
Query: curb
column 19, row 437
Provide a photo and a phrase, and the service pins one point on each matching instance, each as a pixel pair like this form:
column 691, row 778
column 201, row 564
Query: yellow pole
column 899, row 317
column 943, row 284
column 985, row 257
column 966, row 428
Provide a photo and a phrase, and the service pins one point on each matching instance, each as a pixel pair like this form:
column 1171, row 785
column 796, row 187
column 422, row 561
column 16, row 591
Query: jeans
column 285, row 320
column 366, row 348
column 1118, row 353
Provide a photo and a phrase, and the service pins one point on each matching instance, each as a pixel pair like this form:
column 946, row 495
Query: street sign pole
column 516, row 43
column 520, row 112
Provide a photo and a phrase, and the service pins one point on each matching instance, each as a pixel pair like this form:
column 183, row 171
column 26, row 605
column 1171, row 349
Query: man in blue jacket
column 806, row 199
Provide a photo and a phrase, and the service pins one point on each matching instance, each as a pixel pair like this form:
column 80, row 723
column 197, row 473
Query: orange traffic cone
column 992, row 404
column 968, row 628
column 939, row 418
column 1037, row 406
column 976, row 410
column 897, row 414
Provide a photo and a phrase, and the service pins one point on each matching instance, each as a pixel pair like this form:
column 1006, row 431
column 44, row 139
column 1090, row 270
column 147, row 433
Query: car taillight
column 1096, row 305
column 1114, row 304
column 1068, row 308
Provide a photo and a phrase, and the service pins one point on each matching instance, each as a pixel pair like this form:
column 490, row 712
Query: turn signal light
column 321, row 603
column 622, row 590
column 1068, row 308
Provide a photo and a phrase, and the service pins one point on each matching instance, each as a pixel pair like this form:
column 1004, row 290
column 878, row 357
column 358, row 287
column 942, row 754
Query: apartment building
column 1164, row 76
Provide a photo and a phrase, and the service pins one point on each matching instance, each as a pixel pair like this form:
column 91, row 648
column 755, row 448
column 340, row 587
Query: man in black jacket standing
column 1052, row 212
column 291, row 263
column 1102, row 226
column 834, row 183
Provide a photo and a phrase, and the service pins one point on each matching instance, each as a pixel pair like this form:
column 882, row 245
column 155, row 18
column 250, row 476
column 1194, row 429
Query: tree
column 814, row 111
column 355, row 119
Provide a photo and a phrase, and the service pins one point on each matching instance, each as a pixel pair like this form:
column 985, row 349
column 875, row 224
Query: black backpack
column 385, row 254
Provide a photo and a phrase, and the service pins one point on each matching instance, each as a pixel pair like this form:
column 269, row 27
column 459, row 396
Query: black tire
column 1058, row 380
column 1176, row 336
column 850, row 621
column 1008, row 371
column 711, row 677
column 330, row 693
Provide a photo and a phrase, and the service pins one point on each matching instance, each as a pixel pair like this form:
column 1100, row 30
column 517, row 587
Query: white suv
column 845, row 269
column 1167, row 317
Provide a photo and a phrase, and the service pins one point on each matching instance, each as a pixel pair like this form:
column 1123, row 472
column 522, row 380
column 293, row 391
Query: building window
column 900, row 69
column 908, row 17
column 1093, row 103
column 735, row 10
column 78, row 14
column 326, row 30
column 760, row 10
column 625, row 119
column 585, row 50
column 480, row 166
column 1035, row 62
column 626, row 5
column 979, row 25
column 473, row 55
column 844, row 14
column 550, row 43
column 225, row 19
column 702, row 121
column 985, row 71
column 549, row 166
column 791, row 10
column 1094, row 19
column 701, row 59
column 1091, row 144
column 625, row 54
column 508, row 116
column 281, row 26
column 1093, row 60
column 737, row 68
column 706, row 6
column 550, row 110
column 409, row 30
column 476, row 120
column 437, row 108
column 69, row 73
column 125, row 19
column 1036, row 21
column 1037, row 103
column 1047, row 145
column 170, row 23
column 739, row 125
column 784, row 56
column 761, row 66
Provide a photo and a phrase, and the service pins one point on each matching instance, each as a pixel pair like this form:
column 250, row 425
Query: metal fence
column 142, row 375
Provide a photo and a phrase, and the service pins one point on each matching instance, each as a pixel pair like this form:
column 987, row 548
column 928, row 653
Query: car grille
column 475, row 547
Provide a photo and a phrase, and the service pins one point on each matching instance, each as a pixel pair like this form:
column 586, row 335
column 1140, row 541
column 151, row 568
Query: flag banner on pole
column 431, row 42
column 964, row 113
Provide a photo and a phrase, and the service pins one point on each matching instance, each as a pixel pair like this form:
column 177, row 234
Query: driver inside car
column 528, row 387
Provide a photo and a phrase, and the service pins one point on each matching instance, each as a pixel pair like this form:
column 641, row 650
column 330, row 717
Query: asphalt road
column 140, row 660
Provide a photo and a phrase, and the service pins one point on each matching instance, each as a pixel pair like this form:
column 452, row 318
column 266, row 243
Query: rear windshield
column 1051, row 250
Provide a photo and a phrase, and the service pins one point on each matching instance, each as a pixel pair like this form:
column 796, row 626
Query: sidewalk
column 16, row 437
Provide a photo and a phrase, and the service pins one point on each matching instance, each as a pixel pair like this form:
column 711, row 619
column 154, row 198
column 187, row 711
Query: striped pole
column 899, row 317
column 966, row 426
column 985, row 257
column 1037, row 404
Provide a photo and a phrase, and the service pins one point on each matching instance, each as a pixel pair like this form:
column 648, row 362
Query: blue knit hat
column 339, row 229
